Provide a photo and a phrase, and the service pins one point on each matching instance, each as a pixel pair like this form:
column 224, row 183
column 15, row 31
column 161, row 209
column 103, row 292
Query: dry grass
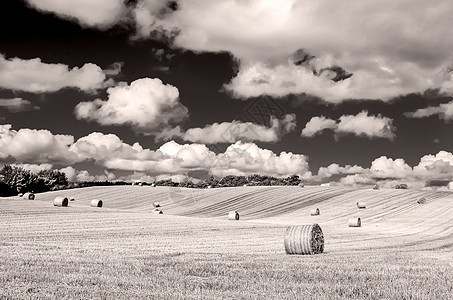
column 125, row 252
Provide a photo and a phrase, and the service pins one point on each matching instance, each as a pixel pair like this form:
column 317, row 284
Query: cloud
column 265, row 35
column 147, row 105
column 99, row 13
column 83, row 175
column 317, row 125
column 432, row 170
column 384, row 167
column 336, row 169
column 247, row 158
column 35, row 168
column 16, row 105
column 364, row 125
column 37, row 77
column 231, row 132
column 40, row 149
column 361, row 125
column 149, row 18
column 444, row 111
column 35, row 146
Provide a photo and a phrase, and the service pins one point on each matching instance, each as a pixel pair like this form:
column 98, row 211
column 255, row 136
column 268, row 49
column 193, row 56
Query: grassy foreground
column 61, row 274
column 89, row 253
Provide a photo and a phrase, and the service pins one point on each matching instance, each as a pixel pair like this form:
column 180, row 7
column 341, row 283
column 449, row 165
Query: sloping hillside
column 284, row 205
column 392, row 217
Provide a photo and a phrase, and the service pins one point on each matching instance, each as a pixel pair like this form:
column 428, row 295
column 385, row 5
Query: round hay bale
column 140, row 184
column 96, row 203
column 421, row 200
column 60, row 201
column 376, row 187
column 361, row 205
column 304, row 239
column 158, row 211
column 233, row 215
column 20, row 195
column 71, row 199
column 153, row 185
column 29, row 196
column 314, row 212
column 156, row 204
column 355, row 222
column 301, row 185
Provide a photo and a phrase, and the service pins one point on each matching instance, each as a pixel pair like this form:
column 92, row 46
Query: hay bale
column 314, row 212
column 96, row 203
column 421, row 200
column 304, row 239
column 361, row 205
column 140, row 184
column 71, row 199
column 153, row 185
column 355, row 222
column 156, row 204
column 29, row 196
column 60, row 201
column 233, row 215
column 376, row 187
column 20, row 195
column 158, row 211
column 301, row 185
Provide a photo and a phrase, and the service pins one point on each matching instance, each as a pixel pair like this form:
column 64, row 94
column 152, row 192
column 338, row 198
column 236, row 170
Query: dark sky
column 200, row 77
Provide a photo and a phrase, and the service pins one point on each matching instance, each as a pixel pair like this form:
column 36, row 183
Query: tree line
column 15, row 180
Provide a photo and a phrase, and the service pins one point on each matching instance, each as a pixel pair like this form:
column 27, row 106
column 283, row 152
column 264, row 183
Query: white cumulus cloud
column 146, row 105
column 35, row 76
column 317, row 125
column 231, row 132
column 361, row 125
column 444, row 111
column 35, row 146
column 356, row 36
column 98, row 13
column 16, row 105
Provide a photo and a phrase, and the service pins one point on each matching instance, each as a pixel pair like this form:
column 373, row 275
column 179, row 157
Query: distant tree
column 293, row 180
column 401, row 186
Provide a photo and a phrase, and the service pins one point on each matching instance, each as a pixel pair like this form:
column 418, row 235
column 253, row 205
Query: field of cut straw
column 123, row 250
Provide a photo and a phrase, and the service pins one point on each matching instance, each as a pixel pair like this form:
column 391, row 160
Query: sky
column 348, row 93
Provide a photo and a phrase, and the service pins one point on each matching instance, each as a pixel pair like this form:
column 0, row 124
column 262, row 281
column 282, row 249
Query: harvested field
column 125, row 251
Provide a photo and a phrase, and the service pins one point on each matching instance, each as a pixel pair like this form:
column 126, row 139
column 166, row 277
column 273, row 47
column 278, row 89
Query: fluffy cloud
column 317, row 125
column 336, row 169
column 35, row 168
column 108, row 151
column 361, row 125
column 247, row 158
column 368, row 126
column 444, row 111
column 231, row 132
column 16, row 105
column 83, row 175
column 264, row 35
column 37, row 77
column 147, row 105
column 438, row 166
column 343, row 62
column 99, row 13
column 35, row 146
column 384, row 167
column 388, row 172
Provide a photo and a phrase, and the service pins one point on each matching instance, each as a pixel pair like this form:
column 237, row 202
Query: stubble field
column 124, row 251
